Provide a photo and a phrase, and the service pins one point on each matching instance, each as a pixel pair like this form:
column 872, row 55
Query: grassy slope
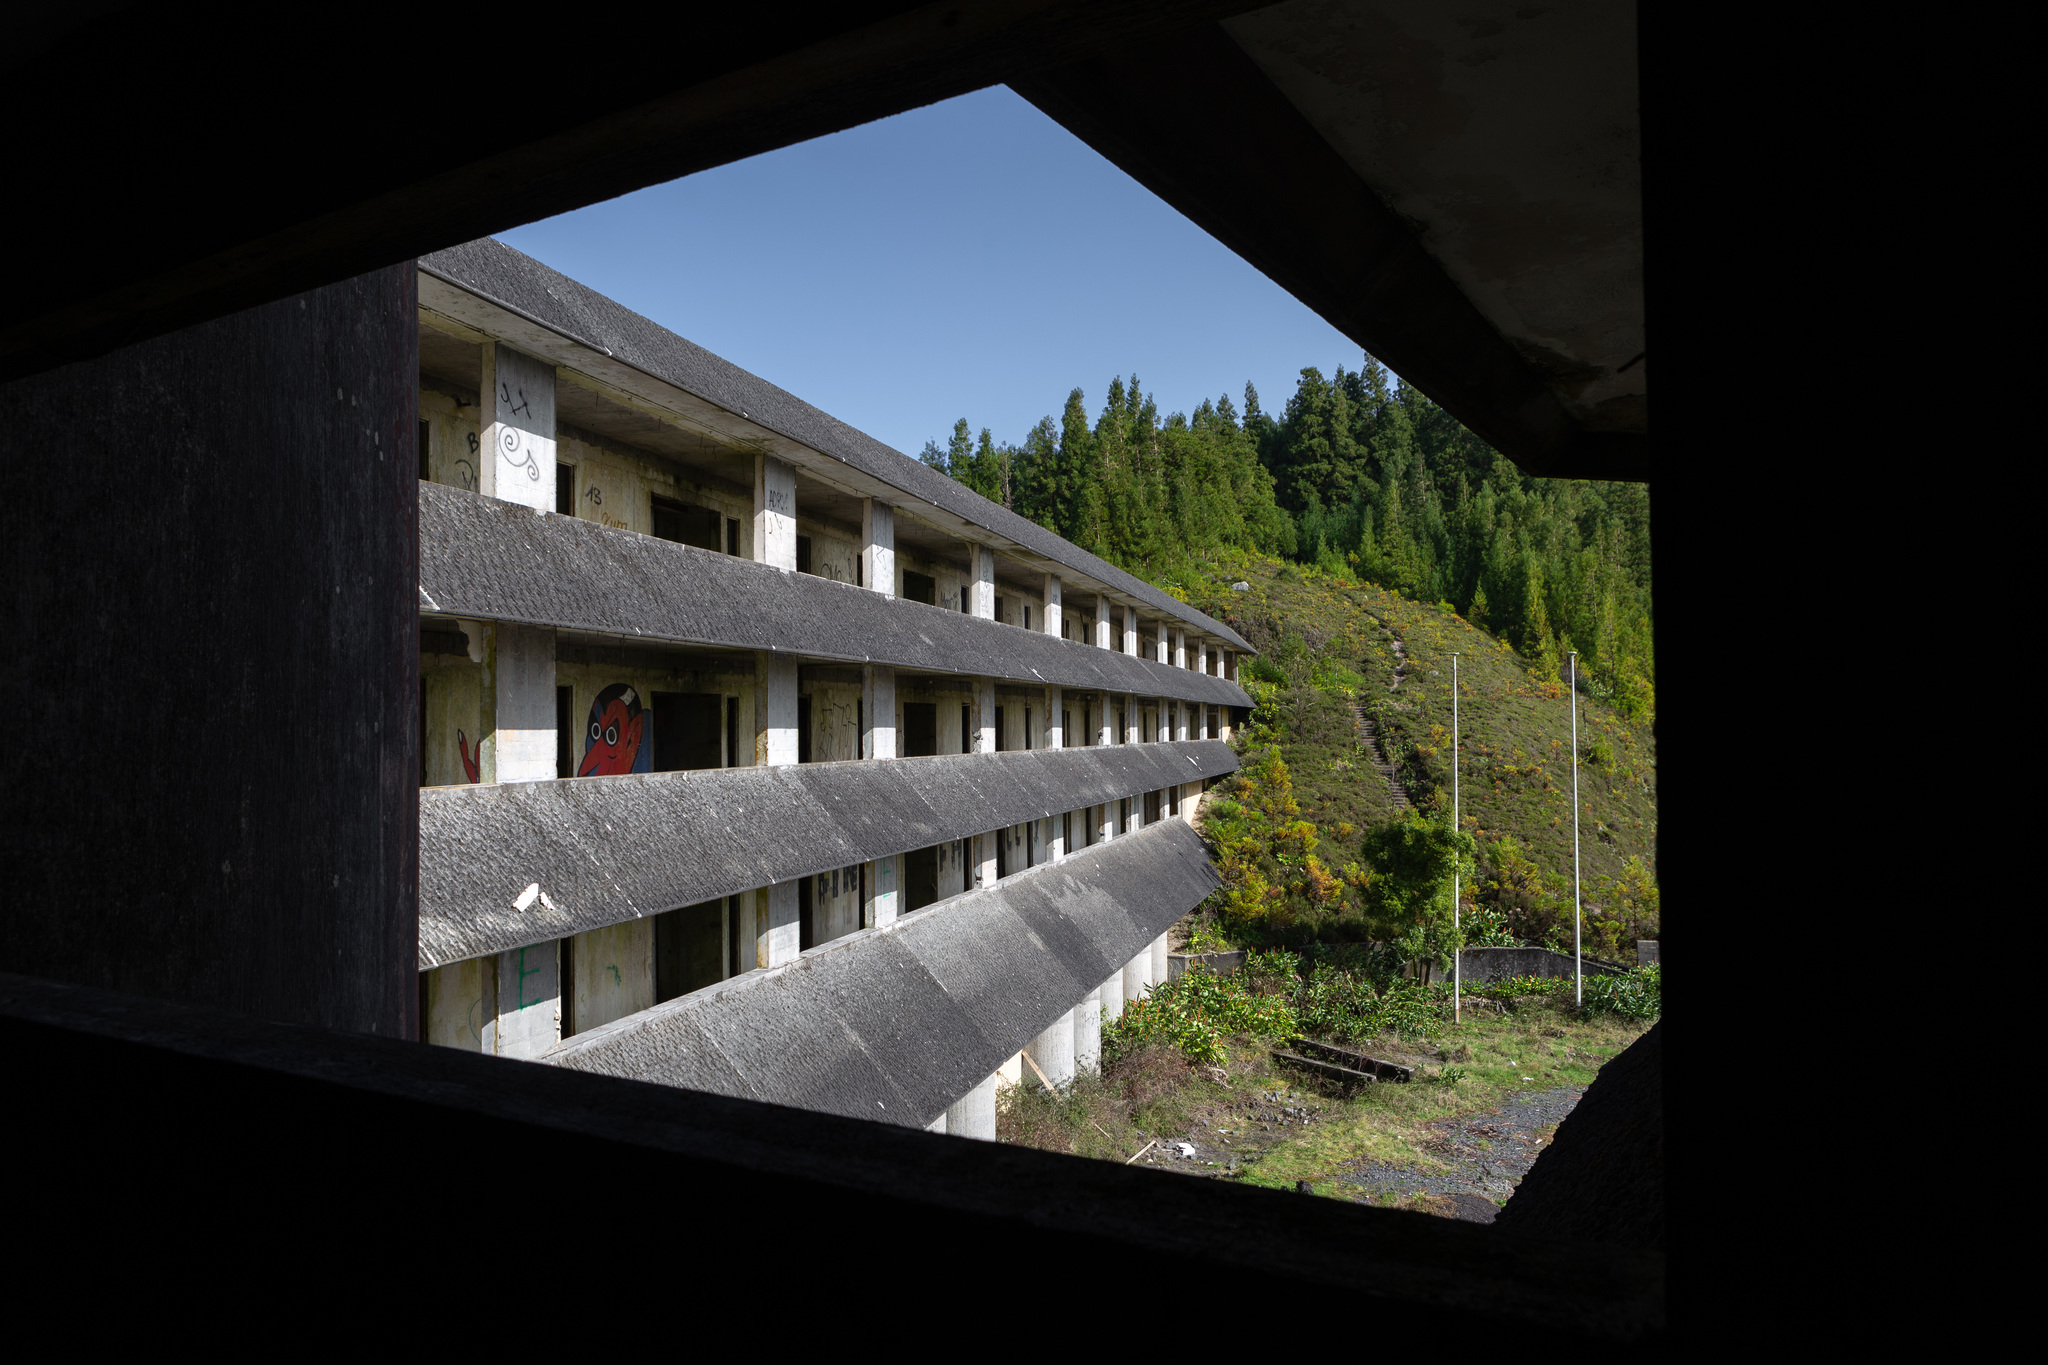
column 1516, row 768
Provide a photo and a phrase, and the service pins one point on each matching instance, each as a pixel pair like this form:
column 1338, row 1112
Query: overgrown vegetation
column 1361, row 478
column 1342, row 993
column 1308, row 787
column 1376, row 537
column 1255, row 1121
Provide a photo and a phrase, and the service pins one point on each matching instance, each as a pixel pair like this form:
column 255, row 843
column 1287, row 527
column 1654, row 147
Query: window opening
column 683, row 524
column 565, row 738
column 803, row 554
column 920, row 729
column 565, row 489
column 685, row 731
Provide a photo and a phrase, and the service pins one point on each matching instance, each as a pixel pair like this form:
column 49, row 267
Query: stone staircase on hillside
column 1370, row 735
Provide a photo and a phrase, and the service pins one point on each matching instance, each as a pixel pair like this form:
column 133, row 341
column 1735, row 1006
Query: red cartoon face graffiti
column 615, row 739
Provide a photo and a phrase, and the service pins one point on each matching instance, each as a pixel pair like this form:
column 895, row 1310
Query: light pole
column 1457, row 865
column 1578, row 950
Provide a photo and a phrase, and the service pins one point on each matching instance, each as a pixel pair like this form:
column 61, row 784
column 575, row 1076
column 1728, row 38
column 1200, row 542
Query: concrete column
column 1162, row 721
column 775, row 705
column 778, row 932
column 981, row 580
column 984, row 719
column 877, row 547
column 1159, row 963
column 882, row 903
column 878, row 711
column 774, row 512
column 1180, row 647
column 1162, row 646
column 1105, row 827
column 973, row 1115
column 1180, row 721
column 1053, row 1050
column 1055, row 836
column 1055, row 725
column 522, row 1014
column 1088, row 1035
column 985, row 858
column 1134, row 720
column 1105, row 720
column 517, row 428
column 518, row 713
column 1054, row 612
column 937, row 1125
column 1111, row 994
column 1131, row 631
column 1138, row 975
column 1103, row 625
column 778, row 929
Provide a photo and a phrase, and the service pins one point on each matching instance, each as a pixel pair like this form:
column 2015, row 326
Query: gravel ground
column 1488, row 1154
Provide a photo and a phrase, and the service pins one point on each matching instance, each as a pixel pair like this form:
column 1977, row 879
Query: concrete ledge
column 896, row 1023
column 1223, row 964
column 1481, row 965
column 495, row 561
column 501, row 272
column 605, row 850
column 275, row 1150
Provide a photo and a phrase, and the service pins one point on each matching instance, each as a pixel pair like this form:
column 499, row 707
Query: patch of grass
column 1283, row 1126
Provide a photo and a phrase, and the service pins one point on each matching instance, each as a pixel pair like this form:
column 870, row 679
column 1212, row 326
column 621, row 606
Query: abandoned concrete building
column 759, row 758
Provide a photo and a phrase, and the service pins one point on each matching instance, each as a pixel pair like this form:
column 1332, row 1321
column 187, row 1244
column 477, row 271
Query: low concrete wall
column 1481, row 965
column 1646, row 951
column 1223, row 964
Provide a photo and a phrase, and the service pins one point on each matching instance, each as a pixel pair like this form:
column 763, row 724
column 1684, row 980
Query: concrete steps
column 1370, row 736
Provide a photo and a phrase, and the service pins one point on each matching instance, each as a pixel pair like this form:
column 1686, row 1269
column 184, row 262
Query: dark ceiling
column 1457, row 191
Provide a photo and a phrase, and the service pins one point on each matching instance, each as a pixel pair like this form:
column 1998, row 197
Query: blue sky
column 970, row 259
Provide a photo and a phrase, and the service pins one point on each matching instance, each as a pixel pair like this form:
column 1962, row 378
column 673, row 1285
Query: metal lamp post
column 1578, row 950
column 1457, row 866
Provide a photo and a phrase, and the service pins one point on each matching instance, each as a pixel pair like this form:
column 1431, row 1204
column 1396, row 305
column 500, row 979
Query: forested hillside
column 1360, row 476
column 1375, row 537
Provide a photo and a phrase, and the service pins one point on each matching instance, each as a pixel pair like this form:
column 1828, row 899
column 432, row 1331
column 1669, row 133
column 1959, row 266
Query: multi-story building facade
column 760, row 758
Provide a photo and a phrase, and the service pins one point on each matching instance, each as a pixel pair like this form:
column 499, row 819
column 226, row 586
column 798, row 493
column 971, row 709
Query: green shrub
column 1636, row 994
column 1195, row 1012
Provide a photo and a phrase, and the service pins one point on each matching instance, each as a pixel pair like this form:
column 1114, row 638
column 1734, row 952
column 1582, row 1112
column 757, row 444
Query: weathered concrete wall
column 239, row 828
column 612, row 973
column 615, row 485
column 1480, row 965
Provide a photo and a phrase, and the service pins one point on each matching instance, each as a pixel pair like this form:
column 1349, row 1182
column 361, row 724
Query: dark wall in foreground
column 212, row 666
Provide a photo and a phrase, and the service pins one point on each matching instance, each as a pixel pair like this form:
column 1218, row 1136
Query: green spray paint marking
column 525, row 972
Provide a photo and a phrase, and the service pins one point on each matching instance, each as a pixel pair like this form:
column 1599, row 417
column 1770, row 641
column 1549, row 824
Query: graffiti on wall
column 470, row 758
column 617, row 739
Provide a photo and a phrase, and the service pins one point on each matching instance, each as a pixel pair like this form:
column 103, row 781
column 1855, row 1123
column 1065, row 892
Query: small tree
column 1408, row 896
